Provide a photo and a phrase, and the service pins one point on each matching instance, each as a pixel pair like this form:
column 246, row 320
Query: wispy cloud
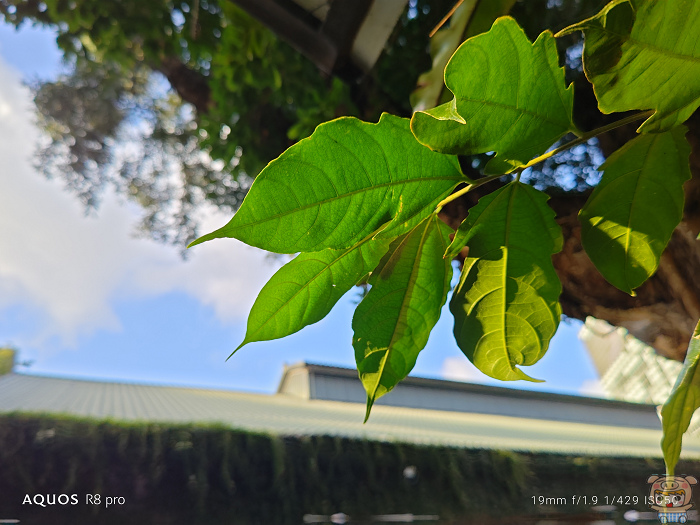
column 69, row 268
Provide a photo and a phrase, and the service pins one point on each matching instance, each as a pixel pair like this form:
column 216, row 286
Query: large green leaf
column 510, row 97
column 629, row 218
column 644, row 54
column 342, row 183
column 471, row 18
column 681, row 404
column 506, row 306
column 305, row 289
column 394, row 320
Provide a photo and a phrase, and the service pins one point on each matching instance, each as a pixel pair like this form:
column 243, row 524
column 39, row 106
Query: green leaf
column 681, row 404
column 471, row 18
column 305, row 290
column 509, row 97
column 628, row 220
column 644, row 54
column 339, row 185
column 506, row 306
column 394, row 320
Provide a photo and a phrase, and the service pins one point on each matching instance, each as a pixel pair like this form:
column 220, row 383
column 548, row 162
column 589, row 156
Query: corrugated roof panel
column 287, row 415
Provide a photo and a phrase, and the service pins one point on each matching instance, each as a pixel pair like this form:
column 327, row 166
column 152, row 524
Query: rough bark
column 189, row 84
column 666, row 308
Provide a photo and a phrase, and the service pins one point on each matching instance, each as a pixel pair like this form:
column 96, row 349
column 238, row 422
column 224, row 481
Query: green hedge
column 210, row 475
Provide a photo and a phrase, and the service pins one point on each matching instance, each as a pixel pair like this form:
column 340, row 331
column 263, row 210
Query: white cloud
column 592, row 388
column 70, row 268
column 460, row 369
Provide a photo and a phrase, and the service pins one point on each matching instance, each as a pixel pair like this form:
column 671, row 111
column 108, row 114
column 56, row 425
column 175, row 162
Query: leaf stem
column 466, row 189
column 583, row 138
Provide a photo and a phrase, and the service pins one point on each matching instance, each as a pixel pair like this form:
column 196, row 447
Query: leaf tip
column 204, row 238
column 194, row 243
column 245, row 342
column 370, row 403
column 522, row 375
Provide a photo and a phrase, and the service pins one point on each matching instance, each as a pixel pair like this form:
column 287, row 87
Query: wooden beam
column 313, row 44
column 343, row 22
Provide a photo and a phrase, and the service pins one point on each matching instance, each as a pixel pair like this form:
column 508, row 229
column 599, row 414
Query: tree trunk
column 192, row 86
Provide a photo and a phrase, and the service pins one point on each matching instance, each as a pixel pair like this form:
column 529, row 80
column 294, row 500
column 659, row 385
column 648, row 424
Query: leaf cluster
column 243, row 95
column 361, row 201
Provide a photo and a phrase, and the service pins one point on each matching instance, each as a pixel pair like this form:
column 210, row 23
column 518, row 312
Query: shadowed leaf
column 506, row 306
column 628, row 220
column 644, row 54
column 392, row 323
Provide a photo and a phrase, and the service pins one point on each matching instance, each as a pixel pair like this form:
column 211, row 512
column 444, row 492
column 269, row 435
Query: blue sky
column 81, row 296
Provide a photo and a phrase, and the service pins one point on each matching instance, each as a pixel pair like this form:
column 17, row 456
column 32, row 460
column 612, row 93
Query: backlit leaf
column 392, row 323
column 339, row 185
column 305, row 289
column 628, row 220
column 681, row 404
column 471, row 18
column 644, row 54
column 506, row 306
column 509, row 97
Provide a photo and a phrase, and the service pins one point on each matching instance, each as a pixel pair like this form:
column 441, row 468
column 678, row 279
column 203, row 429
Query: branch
column 192, row 86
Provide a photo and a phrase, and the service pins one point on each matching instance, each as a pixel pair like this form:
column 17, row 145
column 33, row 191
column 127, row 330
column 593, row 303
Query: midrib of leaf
column 340, row 197
column 402, row 309
column 628, row 232
column 345, row 253
column 638, row 179
column 517, row 63
column 505, row 272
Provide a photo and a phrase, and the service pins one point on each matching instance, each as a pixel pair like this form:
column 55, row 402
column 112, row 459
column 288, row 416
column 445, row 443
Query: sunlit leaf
column 506, row 306
column 681, row 404
column 339, row 185
column 304, row 290
column 628, row 220
column 644, row 54
column 509, row 97
column 394, row 320
column 471, row 18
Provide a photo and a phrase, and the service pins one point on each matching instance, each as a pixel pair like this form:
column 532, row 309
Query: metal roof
column 290, row 415
column 311, row 381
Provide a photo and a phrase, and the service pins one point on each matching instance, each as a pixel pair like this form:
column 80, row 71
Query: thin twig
column 580, row 140
column 445, row 19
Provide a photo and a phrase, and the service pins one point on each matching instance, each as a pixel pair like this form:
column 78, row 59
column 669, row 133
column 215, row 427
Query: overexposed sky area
column 82, row 296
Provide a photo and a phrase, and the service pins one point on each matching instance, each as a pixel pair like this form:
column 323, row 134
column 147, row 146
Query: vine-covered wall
column 211, row 474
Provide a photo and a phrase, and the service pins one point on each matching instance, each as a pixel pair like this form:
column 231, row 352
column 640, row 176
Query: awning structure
column 342, row 37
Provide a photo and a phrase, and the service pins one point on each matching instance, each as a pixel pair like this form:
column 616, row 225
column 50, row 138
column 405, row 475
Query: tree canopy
column 176, row 80
column 500, row 166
